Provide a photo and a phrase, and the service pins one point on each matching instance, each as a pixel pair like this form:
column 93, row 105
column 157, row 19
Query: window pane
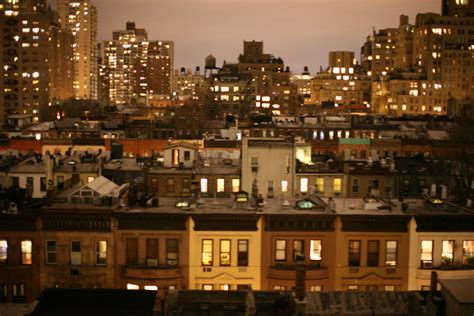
column 242, row 253
column 76, row 256
column 315, row 250
column 207, row 247
column 373, row 253
column 391, row 253
column 235, row 185
column 354, row 253
column 337, row 185
column 280, row 250
column 26, row 252
column 427, row 250
column 225, row 253
column 320, row 184
column 131, row 250
column 298, row 250
column 447, row 254
column 468, row 252
column 3, row 251
column 220, row 185
column 101, row 252
column 172, row 252
column 50, row 251
column 204, row 185
column 304, row 185
column 284, row 186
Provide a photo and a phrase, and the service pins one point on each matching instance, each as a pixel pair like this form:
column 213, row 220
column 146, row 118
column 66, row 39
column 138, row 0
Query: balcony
column 287, row 271
column 147, row 271
column 446, row 271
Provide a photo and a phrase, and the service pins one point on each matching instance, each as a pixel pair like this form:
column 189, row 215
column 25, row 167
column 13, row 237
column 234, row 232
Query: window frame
column 172, row 251
column 3, row 252
column 311, row 247
column 243, row 256
column 51, row 252
column 373, row 257
column 207, row 257
column 222, row 261
column 72, row 252
column 430, row 252
column 26, row 257
column 353, row 253
column 387, row 253
column 280, row 250
column 301, row 250
column 100, row 259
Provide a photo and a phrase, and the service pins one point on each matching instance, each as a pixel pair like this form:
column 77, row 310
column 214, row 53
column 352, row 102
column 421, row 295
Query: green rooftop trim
column 354, row 141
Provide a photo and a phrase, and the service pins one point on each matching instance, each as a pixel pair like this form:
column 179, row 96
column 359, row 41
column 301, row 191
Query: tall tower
column 80, row 18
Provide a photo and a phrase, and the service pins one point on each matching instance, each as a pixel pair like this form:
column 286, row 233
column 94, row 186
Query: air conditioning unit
column 206, row 269
column 427, row 265
column 242, row 269
column 391, row 270
column 152, row 262
column 172, row 262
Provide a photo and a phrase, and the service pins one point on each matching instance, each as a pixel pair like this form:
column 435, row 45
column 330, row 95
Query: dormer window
column 305, row 205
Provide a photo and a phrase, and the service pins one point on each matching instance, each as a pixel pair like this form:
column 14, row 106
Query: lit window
column 353, row 288
column 225, row 89
column 131, row 286
column 337, row 185
column 315, row 250
column 207, row 249
column 235, row 185
column 175, row 156
column 304, row 185
column 26, row 252
column 316, row 288
column 220, row 185
column 427, row 251
column 150, row 288
column 19, row 289
column 207, row 287
column 90, row 179
column 391, row 247
column 279, row 288
column 224, row 287
column 468, row 252
column 3, row 252
column 280, row 250
column 101, row 252
column 204, row 185
column 284, row 186
column 76, row 254
column 320, row 184
column 447, row 253
column 225, row 253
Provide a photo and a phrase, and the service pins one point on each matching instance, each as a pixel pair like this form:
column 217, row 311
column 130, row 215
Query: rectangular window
column 207, row 287
column 447, row 253
column 175, row 156
column 170, row 185
column 373, row 185
column 468, row 252
column 220, row 185
column 26, row 252
column 388, row 185
column 304, row 185
column 30, row 183
column 254, row 161
column 19, row 289
column 224, row 253
column 389, row 288
column 131, row 251
column 186, row 187
column 298, row 250
column 353, row 288
column 204, row 188
column 235, row 185
column 76, row 253
column 320, row 184
column 90, row 179
column 152, row 248
column 354, row 253
column 279, row 288
column 280, row 250
column 101, row 252
column 373, row 253
column 3, row 292
column 43, row 186
column 15, row 182
column 3, row 252
column 172, row 258
column 207, row 252
column 315, row 250
column 337, row 185
column 51, row 251
column 316, row 288
column 355, row 185
column 284, row 186
column 391, row 249
column 270, row 189
column 243, row 253
column 427, row 251
column 154, row 183
column 224, row 287
column 187, row 155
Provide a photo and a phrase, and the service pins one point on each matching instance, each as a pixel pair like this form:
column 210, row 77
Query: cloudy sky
column 302, row 32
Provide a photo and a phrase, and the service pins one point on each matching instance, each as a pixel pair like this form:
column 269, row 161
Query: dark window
column 30, row 183
column 298, row 250
column 354, row 253
column 170, row 185
column 187, row 155
column 355, row 185
column 154, row 183
column 3, row 293
column 131, row 251
column 243, row 253
column 50, row 251
column 152, row 248
column 76, row 253
column 60, row 182
column 42, row 184
column 186, row 186
column 172, row 258
column 372, row 253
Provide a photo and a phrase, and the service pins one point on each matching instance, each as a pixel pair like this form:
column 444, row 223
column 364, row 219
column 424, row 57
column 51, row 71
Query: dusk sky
column 302, row 32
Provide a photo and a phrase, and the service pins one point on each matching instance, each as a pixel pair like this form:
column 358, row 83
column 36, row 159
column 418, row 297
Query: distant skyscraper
column 80, row 18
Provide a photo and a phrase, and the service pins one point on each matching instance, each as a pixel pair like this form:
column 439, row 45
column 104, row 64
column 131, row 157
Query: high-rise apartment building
column 80, row 18
column 136, row 68
column 35, row 59
column 457, row 8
